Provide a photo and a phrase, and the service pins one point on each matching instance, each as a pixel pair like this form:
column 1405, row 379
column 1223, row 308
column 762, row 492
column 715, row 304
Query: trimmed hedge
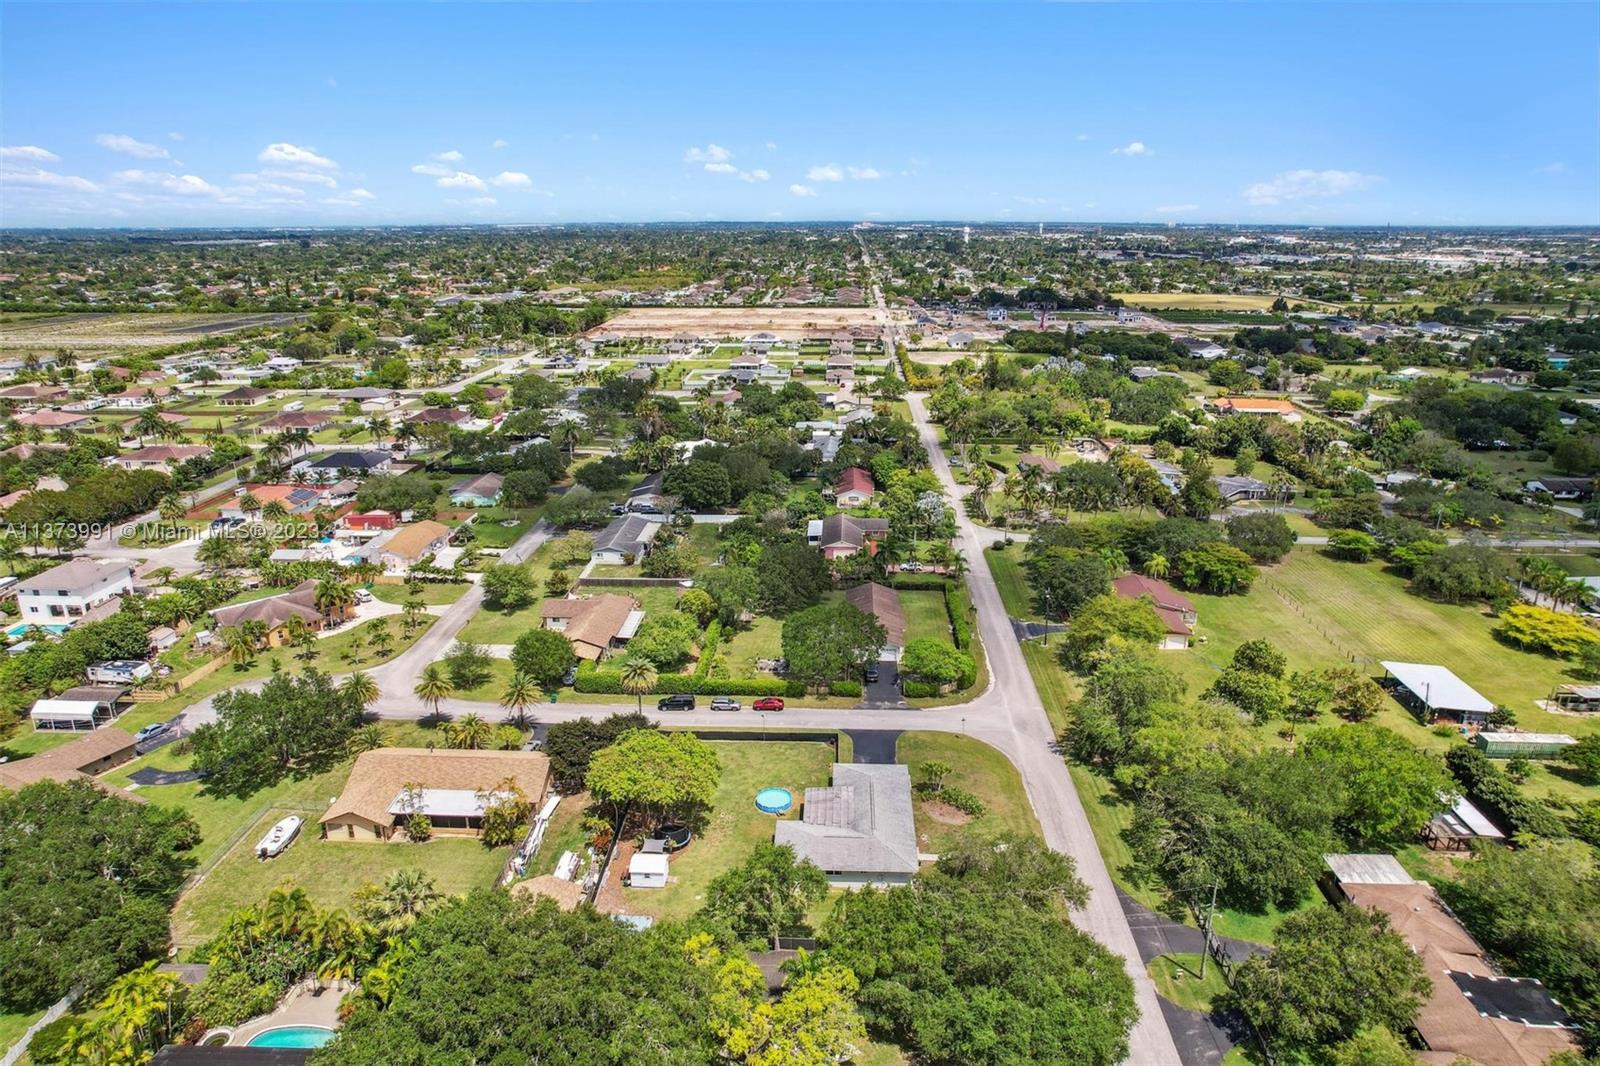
column 844, row 688
column 955, row 605
column 595, row 681
column 919, row 690
column 710, row 640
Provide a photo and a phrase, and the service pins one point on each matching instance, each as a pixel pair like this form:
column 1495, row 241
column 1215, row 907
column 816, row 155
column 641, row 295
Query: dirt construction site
column 788, row 323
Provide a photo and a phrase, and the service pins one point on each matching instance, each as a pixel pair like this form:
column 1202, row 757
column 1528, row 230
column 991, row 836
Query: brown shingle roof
column 411, row 542
column 1166, row 597
column 379, row 776
column 883, row 604
column 273, row 610
column 593, row 622
column 67, row 761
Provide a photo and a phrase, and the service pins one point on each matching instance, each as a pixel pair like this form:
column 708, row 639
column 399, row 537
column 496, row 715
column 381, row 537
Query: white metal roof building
column 1439, row 691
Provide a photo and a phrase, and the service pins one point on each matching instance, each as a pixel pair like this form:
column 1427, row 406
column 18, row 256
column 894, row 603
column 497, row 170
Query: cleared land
column 982, row 771
column 789, row 323
column 129, row 331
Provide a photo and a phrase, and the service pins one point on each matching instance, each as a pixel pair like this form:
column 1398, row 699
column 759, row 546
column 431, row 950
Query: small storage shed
column 1527, row 745
column 647, row 870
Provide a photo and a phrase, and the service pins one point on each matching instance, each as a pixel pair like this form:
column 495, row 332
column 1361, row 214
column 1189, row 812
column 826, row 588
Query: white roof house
column 860, row 830
column 1440, row 691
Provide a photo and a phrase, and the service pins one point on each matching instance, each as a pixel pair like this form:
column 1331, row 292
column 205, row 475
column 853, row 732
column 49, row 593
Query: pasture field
column 128, row 330
column 788, row 323
column 1198, row 301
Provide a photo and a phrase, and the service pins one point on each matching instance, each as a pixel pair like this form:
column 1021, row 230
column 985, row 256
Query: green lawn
column 432, row 593
column 1178, row 980
column 1058, row 688
column 926, row 617
column 501, row 627
column 564, row 833
column 979, row 769
column 735, row 825
column 489, row 532
column 500, row 671
column 1006, row 567
column 12, row 1026
column 762, row 639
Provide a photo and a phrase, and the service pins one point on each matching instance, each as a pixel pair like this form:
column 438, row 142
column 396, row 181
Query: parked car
column 872, row 673
column 677, row 702
column 767, row 703
column 150, row 732
column 724, row 703
column 912, row 567
column 570, row 677
column 363, row 596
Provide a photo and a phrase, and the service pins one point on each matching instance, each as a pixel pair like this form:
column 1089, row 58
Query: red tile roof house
column 854, row 488
column 370, row 520
column 1175, row 610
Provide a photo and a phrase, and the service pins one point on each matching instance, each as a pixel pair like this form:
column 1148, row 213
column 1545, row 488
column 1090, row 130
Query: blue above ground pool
column 292, row 1036
column 774, row 800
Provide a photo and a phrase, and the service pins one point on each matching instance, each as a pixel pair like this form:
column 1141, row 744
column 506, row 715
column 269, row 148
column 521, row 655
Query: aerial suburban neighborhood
column 532, row 618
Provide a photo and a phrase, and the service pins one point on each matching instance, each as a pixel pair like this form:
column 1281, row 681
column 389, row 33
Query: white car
column 280, row 836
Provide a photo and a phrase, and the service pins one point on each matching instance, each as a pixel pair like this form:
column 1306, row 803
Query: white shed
column 647, row 871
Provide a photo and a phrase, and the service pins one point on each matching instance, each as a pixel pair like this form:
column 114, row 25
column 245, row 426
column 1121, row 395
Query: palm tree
column 382, row 639
column 638, row 677
column 217, row 552
column 368, row 738
column 520, row 691
column 286, row 910
column 250, row 503
column 360, row 689
column 241, row 646
column 171, row 508
column 471, row 732
column 406, row 896
column 333, row 597
column 433, row 687
column 1156, row 566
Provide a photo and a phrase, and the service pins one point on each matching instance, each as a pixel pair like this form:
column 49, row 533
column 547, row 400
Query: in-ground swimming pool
column 292, row 1036
column 774, row 800
column 21, row 629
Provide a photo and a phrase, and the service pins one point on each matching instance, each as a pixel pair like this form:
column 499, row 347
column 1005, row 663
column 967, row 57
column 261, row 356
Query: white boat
column 280, row 836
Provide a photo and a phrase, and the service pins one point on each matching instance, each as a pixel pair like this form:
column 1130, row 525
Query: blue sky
column 255, row 114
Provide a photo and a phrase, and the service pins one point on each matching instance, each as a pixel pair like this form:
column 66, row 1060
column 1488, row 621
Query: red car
column 767, row 703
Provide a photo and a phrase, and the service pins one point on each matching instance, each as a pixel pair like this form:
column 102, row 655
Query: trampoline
column 774, row 800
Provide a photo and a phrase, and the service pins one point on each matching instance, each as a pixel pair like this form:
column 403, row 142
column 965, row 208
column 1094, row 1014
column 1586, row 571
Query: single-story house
column 373, row 399
column 1045, row 464
column 160, row 456
column 1500, row 375
column 28, row 396
column 348, row 463
column 840, row 535
column 595, row 625
column 1436, row 690
column 883, row 603
column 244, row 396
column 1235, row 487
column 1474, row 1012
column 1581, row 699
column 296, row 499
column 370, row 521
column 310, row 421
column 65, row 594
column 89, row 755
column 388, row 786
column 625, row 540
column 55, row 420
column 647, row 497
column 80, row 708
column 1252, row 405
column 1176, row 611
column 450, row 416
column 1200, row 348
column 410, row 544
column 1562, row 488
column 139, row 396
column 480, row 491
column 274, row 612
column 860, row 829
column 853, row 488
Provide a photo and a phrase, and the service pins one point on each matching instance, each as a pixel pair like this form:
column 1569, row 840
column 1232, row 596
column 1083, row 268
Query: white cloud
column 1548, row 168
column 452, row 156
column 180, row 184
column 1081, row 137
column 499, row 142
column 47, row 179
column 353, row 198
column 475, row 201
column 511, row 178
column 825, row 173
column 1132, row 148
column 721, row 168
column 295, row 156
column 864, row 173
column 432, row 170
column 301, row 177
column 29, row 151
column 1177, row 209
column 1308, row 184
column 360, row 194
column 174, row 136
column 711, row 153
column 802, row 190
column 754, row 175
column 461, row 180
column 121, row 142
column 772, row 146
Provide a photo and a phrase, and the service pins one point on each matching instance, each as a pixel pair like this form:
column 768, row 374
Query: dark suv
column 678, row 702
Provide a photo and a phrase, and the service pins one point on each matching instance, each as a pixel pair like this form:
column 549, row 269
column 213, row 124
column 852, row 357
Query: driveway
column 884, row 692
column 874, row 746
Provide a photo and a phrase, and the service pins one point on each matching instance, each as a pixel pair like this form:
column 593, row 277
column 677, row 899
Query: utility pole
column 1211, row 916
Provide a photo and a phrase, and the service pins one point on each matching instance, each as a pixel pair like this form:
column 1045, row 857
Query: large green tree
column 1389, row 787
column 86, row 879
column 294, row 726
column 831, row 642
column 543, row 655
column 656, row 774
column 767, row 895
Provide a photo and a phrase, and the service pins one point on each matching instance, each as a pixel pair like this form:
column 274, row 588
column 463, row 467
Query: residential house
column 274, row 612
column 480, row 491
column 653, row 361
column 1199, row 348
column 80, row 759
column 410, row 544
column 1176, row 611
column 853, row 488
column 160, row 456
column 1046, row 465
column 27, row 397
column 389, row 786
column 747, row 361
column 65, row 594
column 1562, row 488
column 1236, row 487
column 595, row 625
column 1474, row 1013
column 883, row 603
column 244, row 396
column 309, row 421
column 1252, row 405
column 1501, row 375
column 859, row 830
column 296, row 499
column 139, row 396
column 55, row 419
column 840, row 536
column 996, row 314
column 626, row 540
column 373, row 399
column 449, row 416
column 349, row 463
column 647, row 497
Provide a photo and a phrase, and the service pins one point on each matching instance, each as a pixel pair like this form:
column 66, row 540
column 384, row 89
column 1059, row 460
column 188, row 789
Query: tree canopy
column 294, row 726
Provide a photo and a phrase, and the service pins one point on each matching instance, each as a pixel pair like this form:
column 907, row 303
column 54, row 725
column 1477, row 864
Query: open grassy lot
column 1178, row 980
column 432, row 593
column 1005, row 565
column 490, row 529
column 761, row 639
column 926, row 617
column 735, row 826
column 12, row 1026
column 500, row 627
column 979, row 769
column 89, row 330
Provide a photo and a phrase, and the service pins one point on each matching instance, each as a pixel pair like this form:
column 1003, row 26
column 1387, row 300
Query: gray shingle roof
column 862, row 823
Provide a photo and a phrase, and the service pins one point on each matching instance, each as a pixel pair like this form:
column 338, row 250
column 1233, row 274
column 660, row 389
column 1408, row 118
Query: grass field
column 432, row 593
column 735, row 825
column 12, row 1026
column 1202, row 301
column 1178, row 980
column 979, row 769
column 926, row 617
column 128, row 330
column 1005, row 566
column 761, row 639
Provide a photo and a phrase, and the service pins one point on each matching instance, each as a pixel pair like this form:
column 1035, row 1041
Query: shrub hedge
column 844, row 688
column 595, row 681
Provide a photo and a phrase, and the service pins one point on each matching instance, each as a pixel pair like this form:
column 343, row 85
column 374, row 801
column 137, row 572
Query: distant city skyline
column 259, row 115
